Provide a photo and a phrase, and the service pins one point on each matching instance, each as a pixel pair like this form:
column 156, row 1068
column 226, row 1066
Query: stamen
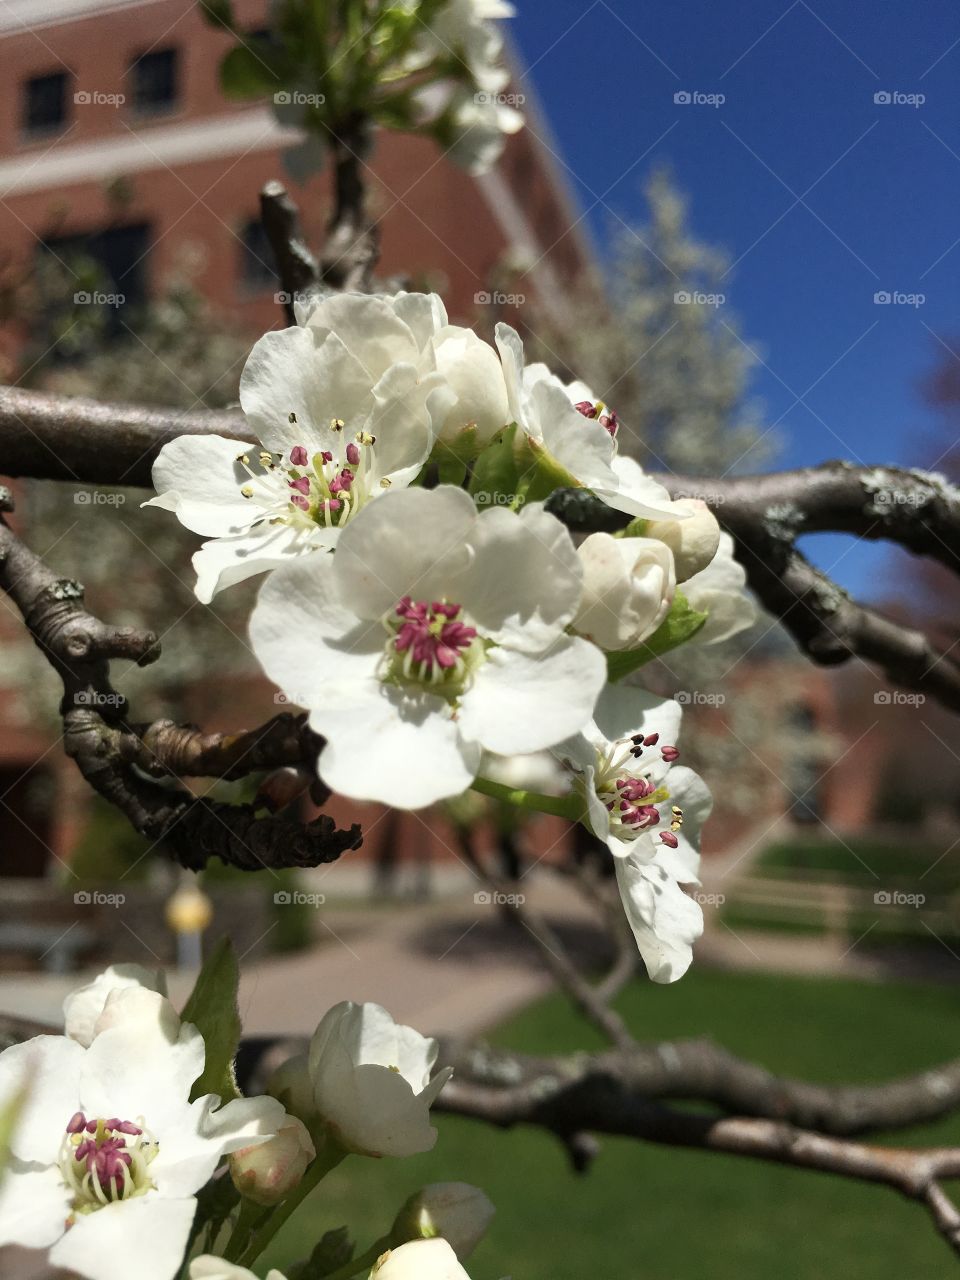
column 298, row 454
column 670, row 754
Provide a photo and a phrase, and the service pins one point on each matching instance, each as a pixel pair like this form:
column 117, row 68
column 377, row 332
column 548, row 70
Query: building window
column 107, row 271
column 155, row 81
column 45, row 103
column 257, row 270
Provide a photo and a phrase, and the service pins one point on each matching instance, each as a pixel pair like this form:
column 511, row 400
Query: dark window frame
column 31, row 128
column 148, row 107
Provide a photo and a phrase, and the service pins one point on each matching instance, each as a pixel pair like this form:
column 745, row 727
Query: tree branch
column 296, row 266
column 766, row 514
column 123, row 761
column 571, row 1097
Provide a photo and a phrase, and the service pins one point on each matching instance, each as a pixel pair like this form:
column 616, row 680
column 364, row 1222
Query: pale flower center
column 103, row 1161
column 635, row 803
column 430, row 645
column 601, row 413
column 326, row 490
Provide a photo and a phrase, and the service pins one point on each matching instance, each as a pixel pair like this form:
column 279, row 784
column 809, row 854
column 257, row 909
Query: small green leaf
column 218, row 13
column 212, row 1008
column 250, row 70
column 678, row 626
column 540, row 472
column 637, row 528
column 496, row 479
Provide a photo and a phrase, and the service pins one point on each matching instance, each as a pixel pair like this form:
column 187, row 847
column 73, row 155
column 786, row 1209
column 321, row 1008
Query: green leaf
column 218, row 13
column 678, row 626
column 212, row 1008
column 496, row 479
column 250, row 70
column 541, row 473
column 637, row 528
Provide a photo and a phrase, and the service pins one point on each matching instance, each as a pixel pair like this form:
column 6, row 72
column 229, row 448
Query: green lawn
column 863, row 860
column 647, row 1213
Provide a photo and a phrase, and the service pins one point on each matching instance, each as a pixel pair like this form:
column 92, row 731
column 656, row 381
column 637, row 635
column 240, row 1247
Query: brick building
column 116, row 139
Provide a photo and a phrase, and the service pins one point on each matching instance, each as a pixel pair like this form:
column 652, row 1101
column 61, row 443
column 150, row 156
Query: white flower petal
column 225, row 561
column 423, row 313
column 193, row 1142
column 370, row 1078
column 420, row 1260
column 720, row 591
column 34, row 1205
column 311, row 376
column 369, row 326
column 628, row 588
column 138, row 1069
column 624, row 710
column 511, row 357
column 83, row 1007
column 52, row 1066
column 147, row 1234
column 402, row 750
column 665, row 922
column 208, row 1267
column 409, row 543
column 580, row 445
column 131, row 1006
column 307, row 641
column 199, row 479
column 524, row 584
column 521, row 702
column 471, row 368
column 401, row 423
column 636, row 493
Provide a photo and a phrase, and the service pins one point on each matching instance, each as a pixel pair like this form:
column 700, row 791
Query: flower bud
column 269, row 1172
column 628, row 588
column 693, row 541
column 454, row 1210
column 473, row 373
column 419, row 1260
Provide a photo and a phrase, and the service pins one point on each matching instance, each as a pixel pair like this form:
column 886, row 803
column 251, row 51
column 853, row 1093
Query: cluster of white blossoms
column 111, row 1144
column 464, row 102
column 426, row 608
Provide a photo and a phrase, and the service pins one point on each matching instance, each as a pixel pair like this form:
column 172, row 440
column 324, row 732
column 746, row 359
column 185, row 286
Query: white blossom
column 628, row 588
column 694, row 541
column 209, row 1267
column 83, row 1008
column 337, row 417
column 649, row 810
column 719, row 590
column 412, row 330
column 433, row 634
column 457, row 1211
column 372, row 1083
column 479, row 124
column 268, row 1171
column 577, row 434
column 109, row 1150
column 419, row 1260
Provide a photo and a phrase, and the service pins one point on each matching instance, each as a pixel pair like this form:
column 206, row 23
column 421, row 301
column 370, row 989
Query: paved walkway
column 442, row 971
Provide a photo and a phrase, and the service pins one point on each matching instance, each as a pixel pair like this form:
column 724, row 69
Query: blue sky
column 824, row 196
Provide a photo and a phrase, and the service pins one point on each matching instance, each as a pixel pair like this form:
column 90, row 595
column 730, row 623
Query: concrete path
column 444, row 969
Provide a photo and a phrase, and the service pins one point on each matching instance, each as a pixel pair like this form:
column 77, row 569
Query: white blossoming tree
column 462, row 577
